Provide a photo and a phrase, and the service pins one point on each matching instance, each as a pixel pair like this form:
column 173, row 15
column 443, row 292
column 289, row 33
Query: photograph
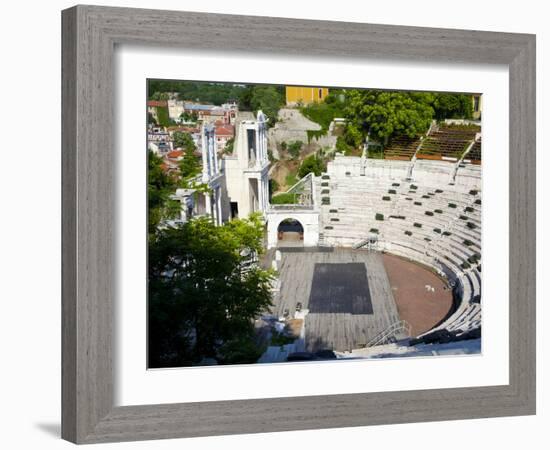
column 311, row 223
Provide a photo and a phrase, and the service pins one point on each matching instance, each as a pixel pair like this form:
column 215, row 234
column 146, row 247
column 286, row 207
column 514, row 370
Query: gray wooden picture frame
column 90, row 34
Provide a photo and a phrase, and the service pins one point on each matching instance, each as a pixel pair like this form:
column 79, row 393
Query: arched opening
column 290, row 232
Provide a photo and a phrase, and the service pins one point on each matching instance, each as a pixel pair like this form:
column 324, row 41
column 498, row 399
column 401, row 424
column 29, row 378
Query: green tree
column 269, row 99
column 190, row 163
column 202, row 301
column 294, row 149
column 385, row 114
column 160, row 186
column 229, row 145
column 311, row 164
column 452, row 106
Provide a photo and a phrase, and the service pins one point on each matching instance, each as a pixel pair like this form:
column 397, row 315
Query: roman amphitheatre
column 382, row 257
column 371, row 243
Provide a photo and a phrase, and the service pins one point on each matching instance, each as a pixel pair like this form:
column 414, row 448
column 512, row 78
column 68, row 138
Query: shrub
column 379, row 216
column 452, row 205
column 374, row 230
column 408, row 233
column 473, row 192
column 469, row 209
column 429, row 213
column 471, row 225
column 478, row 201
column 437, row 230
column 392, row 191
column 294, row 149
column 418, row 203
column 417, row 225
column 438, row 211
column 386, row 198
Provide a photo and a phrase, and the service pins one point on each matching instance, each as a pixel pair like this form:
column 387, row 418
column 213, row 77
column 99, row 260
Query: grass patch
column 284, row 199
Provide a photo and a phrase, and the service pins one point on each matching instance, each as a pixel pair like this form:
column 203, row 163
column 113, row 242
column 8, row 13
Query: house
column 224, row 133
column 305, row 95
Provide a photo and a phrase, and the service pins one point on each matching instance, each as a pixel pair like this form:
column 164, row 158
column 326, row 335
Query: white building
column 246, row 171
column 238, row 183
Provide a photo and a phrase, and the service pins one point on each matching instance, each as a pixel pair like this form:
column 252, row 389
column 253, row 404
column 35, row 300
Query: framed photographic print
column 264, row 230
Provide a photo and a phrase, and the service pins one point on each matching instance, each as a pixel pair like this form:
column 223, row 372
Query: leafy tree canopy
column 190, row 164
column 159, row 188
column 311, row 164
column 202, row 301
column 385, row 114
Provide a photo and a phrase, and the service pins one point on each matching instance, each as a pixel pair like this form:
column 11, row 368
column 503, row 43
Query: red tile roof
column 225, row 130
column 175, row 154
column 157, row 103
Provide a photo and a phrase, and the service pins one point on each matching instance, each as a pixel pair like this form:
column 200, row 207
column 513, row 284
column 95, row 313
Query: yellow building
column 305, row 95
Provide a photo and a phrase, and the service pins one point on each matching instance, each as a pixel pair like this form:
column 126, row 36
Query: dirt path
column 417, row 304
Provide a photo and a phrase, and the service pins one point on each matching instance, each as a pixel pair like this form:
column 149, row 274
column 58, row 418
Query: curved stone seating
column 355, row 199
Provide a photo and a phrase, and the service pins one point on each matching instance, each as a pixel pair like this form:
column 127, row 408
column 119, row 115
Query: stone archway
column 307, row 225
column 290, row 232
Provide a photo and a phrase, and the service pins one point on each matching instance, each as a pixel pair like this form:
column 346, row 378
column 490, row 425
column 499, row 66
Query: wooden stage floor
column 346, row 291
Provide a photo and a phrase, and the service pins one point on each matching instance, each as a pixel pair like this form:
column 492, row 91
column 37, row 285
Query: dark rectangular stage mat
column 340, row 288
